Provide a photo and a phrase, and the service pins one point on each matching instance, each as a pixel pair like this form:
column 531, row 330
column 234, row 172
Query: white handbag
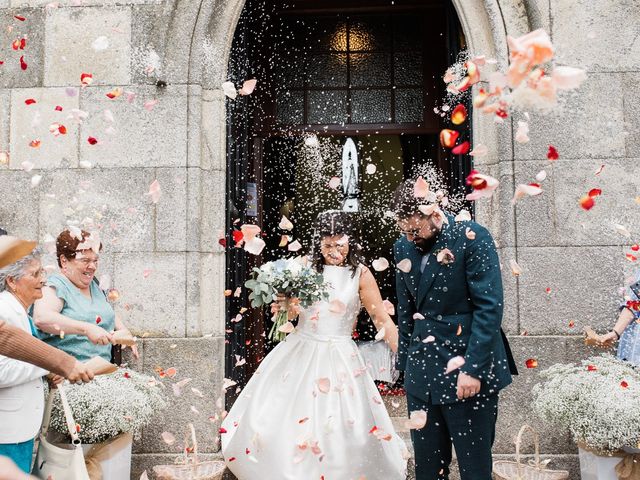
column 53, row 462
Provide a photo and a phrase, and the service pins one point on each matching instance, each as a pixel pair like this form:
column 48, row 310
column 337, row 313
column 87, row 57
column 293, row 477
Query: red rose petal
column 587, row 202
column 624, row 384
column 23, row 64
column 58, row 108
column 29, row 101
column 461, row 149
column 448, row 138
column 552, row 153
column 531, row 363
column 86, row 78
column 635, row 247
column 237, row 236
column 459, row 114
column 19, row 17
column 92, row 140
column 98, row 319
column 594, row 192
column 591, row 368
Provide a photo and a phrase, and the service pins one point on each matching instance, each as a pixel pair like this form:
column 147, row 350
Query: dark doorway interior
column 329, row 71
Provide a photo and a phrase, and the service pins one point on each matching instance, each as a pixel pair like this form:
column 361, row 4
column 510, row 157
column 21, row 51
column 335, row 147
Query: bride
column 312, row 410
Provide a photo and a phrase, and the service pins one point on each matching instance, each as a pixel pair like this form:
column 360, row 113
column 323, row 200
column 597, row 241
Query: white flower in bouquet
column 287, row 277
column 598, row 401
column 122, row 402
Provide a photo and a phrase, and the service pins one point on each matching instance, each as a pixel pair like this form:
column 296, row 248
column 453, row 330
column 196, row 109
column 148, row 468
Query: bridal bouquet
column 286, row 277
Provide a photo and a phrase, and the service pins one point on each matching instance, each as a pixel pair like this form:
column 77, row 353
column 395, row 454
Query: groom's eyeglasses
column 415, row 232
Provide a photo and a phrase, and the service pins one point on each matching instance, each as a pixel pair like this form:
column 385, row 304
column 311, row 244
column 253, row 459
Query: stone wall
column 164, row 257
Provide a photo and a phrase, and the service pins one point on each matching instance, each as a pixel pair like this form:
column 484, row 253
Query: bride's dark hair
column 332, row 223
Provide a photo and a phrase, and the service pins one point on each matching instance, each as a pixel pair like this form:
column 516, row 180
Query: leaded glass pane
column 409, row 105
column 371, row 106
column 327, row 107
column 407, row 33
column 327, row 34
column 369, row 34
column 290, row 108
column 327, row 70
column 408, row 68
column 370, row 69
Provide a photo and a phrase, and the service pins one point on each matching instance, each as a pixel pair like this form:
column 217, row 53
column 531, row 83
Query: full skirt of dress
column 312, row 411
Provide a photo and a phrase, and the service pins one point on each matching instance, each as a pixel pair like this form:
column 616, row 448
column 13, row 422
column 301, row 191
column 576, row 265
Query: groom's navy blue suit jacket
column 462, row 305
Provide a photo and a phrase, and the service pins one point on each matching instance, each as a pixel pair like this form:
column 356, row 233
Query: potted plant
column 109, row 412
column 598, row 402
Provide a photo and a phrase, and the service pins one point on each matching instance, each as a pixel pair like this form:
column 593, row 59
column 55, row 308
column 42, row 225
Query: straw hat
column 13, row 249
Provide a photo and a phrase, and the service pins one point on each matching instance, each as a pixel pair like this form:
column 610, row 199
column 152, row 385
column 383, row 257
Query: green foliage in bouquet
column 598, row 401
column 289, row 278
column 121, row 402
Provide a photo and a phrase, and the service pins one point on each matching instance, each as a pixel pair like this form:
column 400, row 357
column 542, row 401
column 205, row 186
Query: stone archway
column 207, row 28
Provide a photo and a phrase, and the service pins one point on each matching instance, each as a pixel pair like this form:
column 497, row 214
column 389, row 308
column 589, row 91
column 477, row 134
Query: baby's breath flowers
column 598, row 401
column 121, row 402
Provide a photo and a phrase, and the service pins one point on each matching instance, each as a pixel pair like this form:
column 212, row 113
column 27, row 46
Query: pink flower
column 445, row 256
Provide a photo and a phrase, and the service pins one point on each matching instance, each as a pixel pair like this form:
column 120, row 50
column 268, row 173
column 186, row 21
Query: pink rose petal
column 154, row 191
column 324, row 384
column 421, row 188
column 380, row 264
column 417, row 420
column 454, row 364
column 404, row 265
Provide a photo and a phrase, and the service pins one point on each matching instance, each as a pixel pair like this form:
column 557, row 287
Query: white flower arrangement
column 598, row 401
column 121, row 402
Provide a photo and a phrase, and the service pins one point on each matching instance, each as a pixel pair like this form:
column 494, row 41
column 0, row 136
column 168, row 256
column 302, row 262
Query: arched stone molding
column 204, row 29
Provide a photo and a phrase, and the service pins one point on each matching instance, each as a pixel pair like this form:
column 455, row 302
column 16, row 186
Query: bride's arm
column 372, row 301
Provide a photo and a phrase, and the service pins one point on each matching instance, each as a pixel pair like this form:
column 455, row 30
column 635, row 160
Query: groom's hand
column 467, row 386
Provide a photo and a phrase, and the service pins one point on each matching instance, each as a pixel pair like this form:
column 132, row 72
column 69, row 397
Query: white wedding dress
column 311, row 411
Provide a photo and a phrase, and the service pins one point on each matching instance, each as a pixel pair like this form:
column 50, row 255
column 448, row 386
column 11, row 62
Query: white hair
column 17, row 269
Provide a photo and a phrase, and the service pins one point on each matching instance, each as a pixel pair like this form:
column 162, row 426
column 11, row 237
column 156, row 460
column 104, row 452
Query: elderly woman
column 21, row 389
column 74, row 311
column 627, row 328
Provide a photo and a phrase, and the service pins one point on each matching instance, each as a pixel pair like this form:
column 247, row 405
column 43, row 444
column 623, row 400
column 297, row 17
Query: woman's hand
column 607, row 340
column 134, row 347
column 54, row 379
column 290, row 305
column 9, row 471
column 97, row 335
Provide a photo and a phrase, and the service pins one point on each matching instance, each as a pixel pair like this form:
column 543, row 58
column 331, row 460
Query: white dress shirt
column 21, row 388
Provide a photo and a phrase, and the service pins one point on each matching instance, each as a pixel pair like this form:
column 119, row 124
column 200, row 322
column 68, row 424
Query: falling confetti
column 154, row 191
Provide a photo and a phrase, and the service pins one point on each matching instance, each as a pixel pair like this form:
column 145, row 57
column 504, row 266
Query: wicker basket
column 190, row 469
column 506, row 470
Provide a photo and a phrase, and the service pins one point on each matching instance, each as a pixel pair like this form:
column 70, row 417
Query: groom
column 453, row 352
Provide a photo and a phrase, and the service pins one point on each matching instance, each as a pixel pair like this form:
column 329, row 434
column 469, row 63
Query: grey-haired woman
column 21, row 389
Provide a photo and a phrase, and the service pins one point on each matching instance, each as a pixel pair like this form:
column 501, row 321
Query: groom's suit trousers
column 468, row 425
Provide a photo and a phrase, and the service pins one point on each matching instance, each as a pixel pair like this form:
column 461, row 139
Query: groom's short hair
column 404, row 203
